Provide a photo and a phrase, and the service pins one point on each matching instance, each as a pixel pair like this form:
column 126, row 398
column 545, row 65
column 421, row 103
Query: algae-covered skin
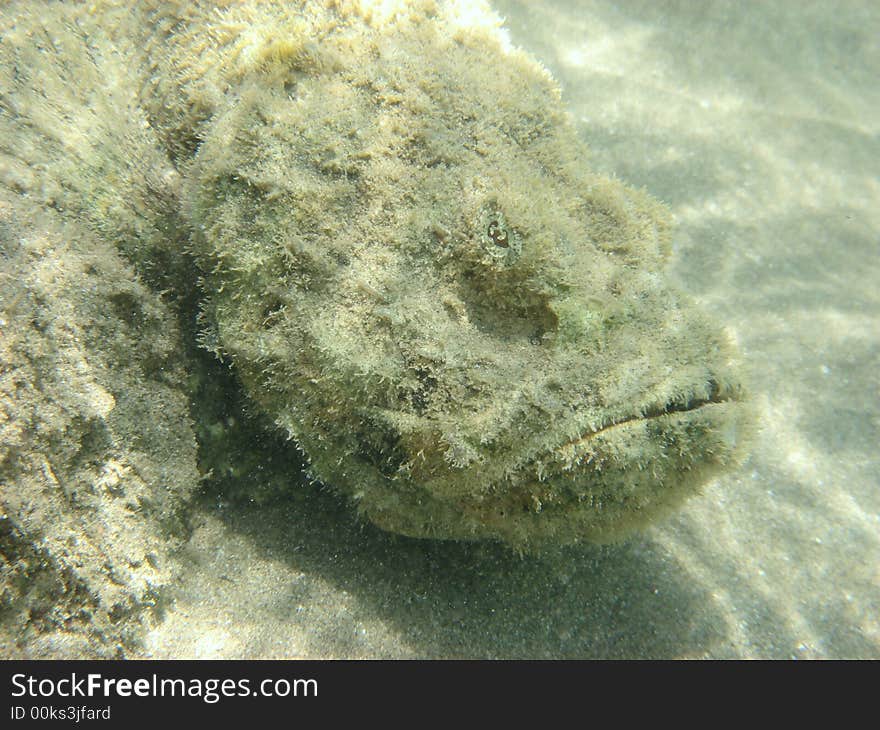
column 411, row 266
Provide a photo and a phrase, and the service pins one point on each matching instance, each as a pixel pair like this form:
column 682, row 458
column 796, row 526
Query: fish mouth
column 714, row 397
column 598, row 486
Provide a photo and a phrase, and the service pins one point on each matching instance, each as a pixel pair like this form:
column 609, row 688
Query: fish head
column 418, row 276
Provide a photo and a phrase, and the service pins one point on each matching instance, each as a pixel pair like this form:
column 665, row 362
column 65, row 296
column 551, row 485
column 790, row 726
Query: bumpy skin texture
column 415, row 274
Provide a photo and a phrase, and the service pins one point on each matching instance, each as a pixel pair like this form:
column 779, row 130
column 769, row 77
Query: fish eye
column 500, row 240
column 497, row 234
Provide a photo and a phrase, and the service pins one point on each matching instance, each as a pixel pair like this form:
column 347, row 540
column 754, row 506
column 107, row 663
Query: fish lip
column 691, row 405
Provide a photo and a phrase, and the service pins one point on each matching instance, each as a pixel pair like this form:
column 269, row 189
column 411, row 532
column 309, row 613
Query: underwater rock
column 404, row 254
column 97, row 456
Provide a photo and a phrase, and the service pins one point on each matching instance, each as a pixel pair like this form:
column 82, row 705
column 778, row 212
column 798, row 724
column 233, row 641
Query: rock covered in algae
column 411, row 266
column 97, row 455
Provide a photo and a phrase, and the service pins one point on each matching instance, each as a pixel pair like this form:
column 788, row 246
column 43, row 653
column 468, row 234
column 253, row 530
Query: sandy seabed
column 757, row 123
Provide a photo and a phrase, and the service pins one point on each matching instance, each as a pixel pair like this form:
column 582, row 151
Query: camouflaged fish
column 403, row 250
